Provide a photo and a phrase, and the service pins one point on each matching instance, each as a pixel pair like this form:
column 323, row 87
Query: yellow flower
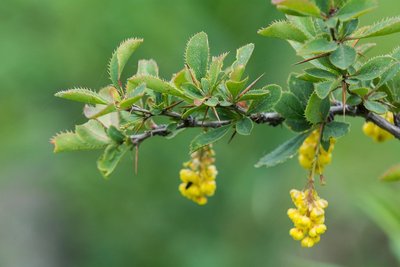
column 198, row 176
column 308, row 217
column 308, row 149
column 377, row 133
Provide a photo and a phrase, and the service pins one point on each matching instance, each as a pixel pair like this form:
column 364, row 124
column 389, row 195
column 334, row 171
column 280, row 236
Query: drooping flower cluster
column 309, row 148
column 308, row 217
column 377, row 133
column 198, row 176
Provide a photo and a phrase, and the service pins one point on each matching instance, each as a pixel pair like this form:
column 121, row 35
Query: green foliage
column 209, row 94
column 284, row 152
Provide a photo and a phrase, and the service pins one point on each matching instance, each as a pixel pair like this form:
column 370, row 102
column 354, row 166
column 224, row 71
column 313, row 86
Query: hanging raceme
column 223, row 100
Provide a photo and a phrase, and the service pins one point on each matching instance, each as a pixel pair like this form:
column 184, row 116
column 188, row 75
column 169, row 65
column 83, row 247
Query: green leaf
column 254, row 94
column 377, row 96
column 94, row 112
column 267, row 102
column 132, row 97
column 243, row 55
column 192, row 91
column 290, row 107
column 361, row 91
column 298, row 7
column 244, row 126
column 69, row 142
column 335, row 130
column 82, row 95
column 317, row 109
column 323, row 89
column 284, row 152
column 93, row 133
column 300, row 88
column 111, row 157
column 391, row 175
column 215, row 69
column 320, row 73
column 375, row 107
column 317, row 46
column 115, row 134
column 197, row 54
column 90, row 135
column 284, row 30
column 155, row 84
column 298, row 125
column 208, row 137
column 373, row 68
column 212, row 102
column 384, row 27
column 356, row 8
column 147, row 67
column 235, row 87
column 120, row 57
column 343, row 57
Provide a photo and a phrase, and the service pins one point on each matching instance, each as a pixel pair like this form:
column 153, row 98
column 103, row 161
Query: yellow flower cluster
column 308, row 217
column 198, row 176
column 375, row 132
column 308, row 149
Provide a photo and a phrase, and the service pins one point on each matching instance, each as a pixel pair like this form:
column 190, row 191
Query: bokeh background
column 57, row 210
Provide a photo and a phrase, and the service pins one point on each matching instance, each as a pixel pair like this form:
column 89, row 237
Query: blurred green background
column 57, row 210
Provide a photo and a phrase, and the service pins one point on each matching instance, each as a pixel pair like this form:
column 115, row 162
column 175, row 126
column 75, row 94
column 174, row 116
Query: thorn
column 344, row 98
column 136, row 159
column 205, row 116
column 216, row 113
column 250, row 86
column 232, row 136
column 173, row 105
column 310, row 59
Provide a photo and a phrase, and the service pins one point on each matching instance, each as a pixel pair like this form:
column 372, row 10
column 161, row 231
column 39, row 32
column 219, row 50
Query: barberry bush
column 223, row 100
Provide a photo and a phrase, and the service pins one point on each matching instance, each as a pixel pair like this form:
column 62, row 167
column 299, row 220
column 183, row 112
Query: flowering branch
column 270, row 118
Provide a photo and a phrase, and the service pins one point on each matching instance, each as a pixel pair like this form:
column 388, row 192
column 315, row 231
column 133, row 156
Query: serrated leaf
column 267, row 102
column 254, row 94
column 243, row 55
column 317, row 46
column 120, row 57
column 244, row 126
column 298, row 7
column 317, row 109
column 335, row 130
column 384, row 27
column 356, row 8
column 155, row 84
column 93, row 133
column 343, row 57
column 320, row 73
column 391, row 175
column 208, row 137
column 82, row 95
column 215, row 69
column 389, row 74
column 365, row 48
column 111, row 157
column 197, row 54
column 132, row 97
column 94, row 112
column 290, row 107
column 147, row 67
column 377, row 96
column 284, row 152
column 375, row 107
column 69, row 142
column 323, row 89
column 373, row 68
column 283, row 30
